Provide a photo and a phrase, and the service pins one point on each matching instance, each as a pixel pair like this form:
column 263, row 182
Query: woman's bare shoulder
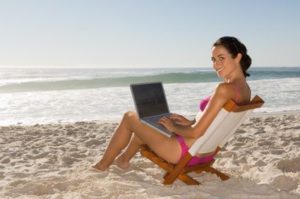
column 224, row 90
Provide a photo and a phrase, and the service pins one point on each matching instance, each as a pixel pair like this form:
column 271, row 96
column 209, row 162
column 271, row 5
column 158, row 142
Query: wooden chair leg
column 171, row 177
column 180, row 171
column 218, row 173
column 184, row 178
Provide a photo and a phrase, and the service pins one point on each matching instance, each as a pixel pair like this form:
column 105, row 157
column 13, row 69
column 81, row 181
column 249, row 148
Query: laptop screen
column 149, row 99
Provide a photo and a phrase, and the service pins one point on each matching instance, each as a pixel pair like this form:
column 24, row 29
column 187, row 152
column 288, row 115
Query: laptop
column 151, row 104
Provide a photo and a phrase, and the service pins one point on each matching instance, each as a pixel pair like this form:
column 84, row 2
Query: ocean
column 47, row 95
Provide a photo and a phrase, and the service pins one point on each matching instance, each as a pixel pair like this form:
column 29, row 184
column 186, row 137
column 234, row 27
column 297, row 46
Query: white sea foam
column 90, row 102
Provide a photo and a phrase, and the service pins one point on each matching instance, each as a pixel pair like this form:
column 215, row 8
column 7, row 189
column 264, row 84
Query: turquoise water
column 24, row 80
column 51, row 95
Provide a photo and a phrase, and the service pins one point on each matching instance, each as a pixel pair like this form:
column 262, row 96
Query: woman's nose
column 217, row 65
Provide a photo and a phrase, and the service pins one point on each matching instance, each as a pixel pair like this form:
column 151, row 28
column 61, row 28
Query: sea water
column 46, row 95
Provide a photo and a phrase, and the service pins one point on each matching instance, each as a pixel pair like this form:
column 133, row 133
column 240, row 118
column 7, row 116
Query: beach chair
column 218, row 133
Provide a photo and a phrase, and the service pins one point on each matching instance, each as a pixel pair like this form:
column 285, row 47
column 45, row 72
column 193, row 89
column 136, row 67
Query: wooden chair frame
column 181, row 170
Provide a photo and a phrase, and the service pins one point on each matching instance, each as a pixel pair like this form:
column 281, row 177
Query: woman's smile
column 220, row 69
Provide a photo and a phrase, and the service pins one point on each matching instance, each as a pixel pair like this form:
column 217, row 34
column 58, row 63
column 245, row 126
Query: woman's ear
column 238, row 57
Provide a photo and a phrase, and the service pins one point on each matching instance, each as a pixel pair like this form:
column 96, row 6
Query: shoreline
column 253, row 114
column 53, row 160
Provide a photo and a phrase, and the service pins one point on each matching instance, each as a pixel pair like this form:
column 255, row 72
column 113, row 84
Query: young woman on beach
column 230, row 61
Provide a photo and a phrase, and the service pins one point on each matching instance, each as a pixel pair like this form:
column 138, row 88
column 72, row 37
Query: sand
column 53, row 161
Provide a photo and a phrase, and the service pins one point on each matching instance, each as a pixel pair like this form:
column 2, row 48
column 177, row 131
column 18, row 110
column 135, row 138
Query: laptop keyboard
column 154, row 120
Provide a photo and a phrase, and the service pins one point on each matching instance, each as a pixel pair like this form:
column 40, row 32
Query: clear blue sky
column 144, row 33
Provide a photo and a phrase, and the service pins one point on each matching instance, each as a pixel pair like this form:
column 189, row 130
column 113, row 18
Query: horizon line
column 127, row 67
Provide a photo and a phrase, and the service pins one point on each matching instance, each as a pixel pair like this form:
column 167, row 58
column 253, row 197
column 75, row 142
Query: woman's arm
column 222, row 94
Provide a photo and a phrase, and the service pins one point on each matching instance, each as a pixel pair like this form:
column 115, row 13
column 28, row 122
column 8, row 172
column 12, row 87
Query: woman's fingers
column 180, row 120
column 166, row 122
column 176, row 117
column 163, row 120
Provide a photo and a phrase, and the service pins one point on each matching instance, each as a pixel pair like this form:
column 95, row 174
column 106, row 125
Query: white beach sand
column 53, row 161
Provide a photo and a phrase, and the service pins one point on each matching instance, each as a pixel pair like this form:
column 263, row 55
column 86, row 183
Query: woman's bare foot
column 99, row 166
column 121, row 163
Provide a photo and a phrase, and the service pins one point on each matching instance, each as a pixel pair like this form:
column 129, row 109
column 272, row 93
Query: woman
column 230, row 61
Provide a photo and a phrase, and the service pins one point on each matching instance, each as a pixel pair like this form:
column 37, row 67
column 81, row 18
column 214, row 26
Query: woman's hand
column 174, row 121
column 167, row 123
column 181, row 120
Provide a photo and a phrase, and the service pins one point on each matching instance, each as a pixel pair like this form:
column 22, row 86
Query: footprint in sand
column 260, row 163
column 277, row 151
column 240, row 131
column 237, row 144
column 229, row 154
column 21, row 175
column 290, row 165
column 297, row 144
column 78, row 155
column 2, row 175
column 69, row 160
column 5, row 160
column 38, row 156
column 264, row 143
column 269, row 119
column 92, row 142
column 244, row 139
column 260, row 131
column 285, row 183
column 32, row 188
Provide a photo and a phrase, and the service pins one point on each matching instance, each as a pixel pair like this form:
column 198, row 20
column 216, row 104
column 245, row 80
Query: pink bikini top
column 203, row 103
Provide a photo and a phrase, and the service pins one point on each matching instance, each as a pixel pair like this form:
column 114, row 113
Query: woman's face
column 223, row 62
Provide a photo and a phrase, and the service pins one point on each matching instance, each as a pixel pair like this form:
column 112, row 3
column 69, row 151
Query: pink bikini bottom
column 195, row 159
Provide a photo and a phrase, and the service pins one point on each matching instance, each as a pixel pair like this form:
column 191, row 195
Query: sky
column 144, row 33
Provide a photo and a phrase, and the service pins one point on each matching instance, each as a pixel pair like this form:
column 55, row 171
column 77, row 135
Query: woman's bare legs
column 122, row 160
column 143, row 134
column 118, row 142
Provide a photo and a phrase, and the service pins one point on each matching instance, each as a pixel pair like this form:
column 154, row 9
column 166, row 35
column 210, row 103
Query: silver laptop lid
column 149, row 99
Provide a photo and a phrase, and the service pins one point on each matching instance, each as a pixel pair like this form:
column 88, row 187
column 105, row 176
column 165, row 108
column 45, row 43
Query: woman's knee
column 130, row 115
column 129, row 119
